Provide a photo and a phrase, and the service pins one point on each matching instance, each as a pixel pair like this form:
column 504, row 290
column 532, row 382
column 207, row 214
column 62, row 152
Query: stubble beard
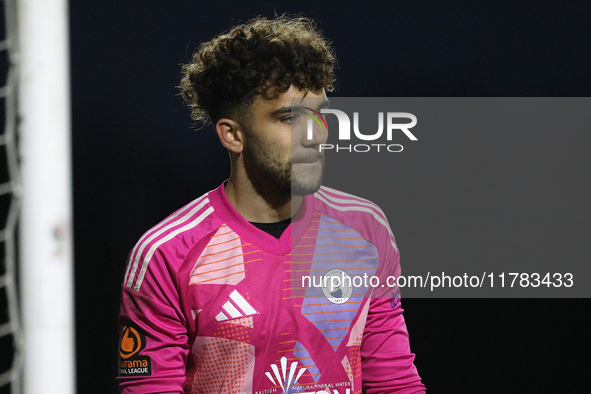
column 302, row 185
column 272, row 176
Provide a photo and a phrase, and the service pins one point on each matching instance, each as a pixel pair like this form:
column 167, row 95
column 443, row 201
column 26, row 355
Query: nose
column 315, row 134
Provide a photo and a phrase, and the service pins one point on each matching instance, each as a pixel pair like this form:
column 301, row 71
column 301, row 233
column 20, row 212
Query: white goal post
column 46, row 250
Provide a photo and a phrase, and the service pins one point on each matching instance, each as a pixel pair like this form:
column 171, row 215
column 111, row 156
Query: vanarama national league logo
column 131, row 343
column 391, row 119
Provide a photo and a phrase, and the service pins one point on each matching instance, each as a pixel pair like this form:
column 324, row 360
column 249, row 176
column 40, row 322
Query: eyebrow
column 289, row 109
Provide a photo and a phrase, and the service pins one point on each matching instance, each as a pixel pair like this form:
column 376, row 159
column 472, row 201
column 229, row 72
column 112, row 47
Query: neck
column 257, row 207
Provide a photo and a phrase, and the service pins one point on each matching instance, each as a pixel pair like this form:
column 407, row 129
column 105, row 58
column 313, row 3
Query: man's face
column 277, row 151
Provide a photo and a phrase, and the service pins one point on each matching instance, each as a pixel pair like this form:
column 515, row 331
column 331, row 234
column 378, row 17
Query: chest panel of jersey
column 255, row 328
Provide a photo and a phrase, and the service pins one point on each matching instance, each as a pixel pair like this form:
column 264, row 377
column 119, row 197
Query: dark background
column 137, row 159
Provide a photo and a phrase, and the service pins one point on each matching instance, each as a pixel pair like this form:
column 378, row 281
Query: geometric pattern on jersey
column 359, row 205
column 357, row 329
column 235, row 332
column 245, row 322
column 236, row 307
column 222, row 261
column 221, row 366
column 337, row 246
column 356, row 361
column 304, row 357
column 347, row 367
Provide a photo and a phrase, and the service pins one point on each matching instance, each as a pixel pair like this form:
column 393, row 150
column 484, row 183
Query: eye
column 290, row 119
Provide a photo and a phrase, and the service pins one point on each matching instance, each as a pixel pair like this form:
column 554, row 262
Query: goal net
column 10, row 325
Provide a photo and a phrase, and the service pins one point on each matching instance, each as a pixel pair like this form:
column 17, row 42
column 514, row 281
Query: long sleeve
column 153, row 325
column 153, row 335
column 386, row 359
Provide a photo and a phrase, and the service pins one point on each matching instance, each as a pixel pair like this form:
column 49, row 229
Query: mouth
column 308, row 160
column 305, row 162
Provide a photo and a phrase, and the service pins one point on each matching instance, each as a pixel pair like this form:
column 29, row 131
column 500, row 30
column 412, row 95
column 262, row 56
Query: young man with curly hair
column 211, row 299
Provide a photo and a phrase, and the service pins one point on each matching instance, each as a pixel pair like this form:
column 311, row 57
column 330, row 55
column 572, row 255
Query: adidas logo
column 286, row 382
column 235, row 307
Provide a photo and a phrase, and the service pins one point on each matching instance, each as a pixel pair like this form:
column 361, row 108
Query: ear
column 230, row 134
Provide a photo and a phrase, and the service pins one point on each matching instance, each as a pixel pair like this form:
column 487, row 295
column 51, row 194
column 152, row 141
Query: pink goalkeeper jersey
column 212, row 304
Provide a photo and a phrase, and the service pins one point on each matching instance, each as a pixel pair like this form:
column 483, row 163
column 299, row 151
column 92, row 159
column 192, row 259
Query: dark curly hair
column 261, row 58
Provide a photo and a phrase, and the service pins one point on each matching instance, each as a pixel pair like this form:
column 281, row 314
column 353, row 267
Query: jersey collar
column 257, row 237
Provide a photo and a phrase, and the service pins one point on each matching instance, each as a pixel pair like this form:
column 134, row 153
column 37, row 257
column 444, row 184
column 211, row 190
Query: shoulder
column 337, row 200
column 164, row 246
column 356, row 212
